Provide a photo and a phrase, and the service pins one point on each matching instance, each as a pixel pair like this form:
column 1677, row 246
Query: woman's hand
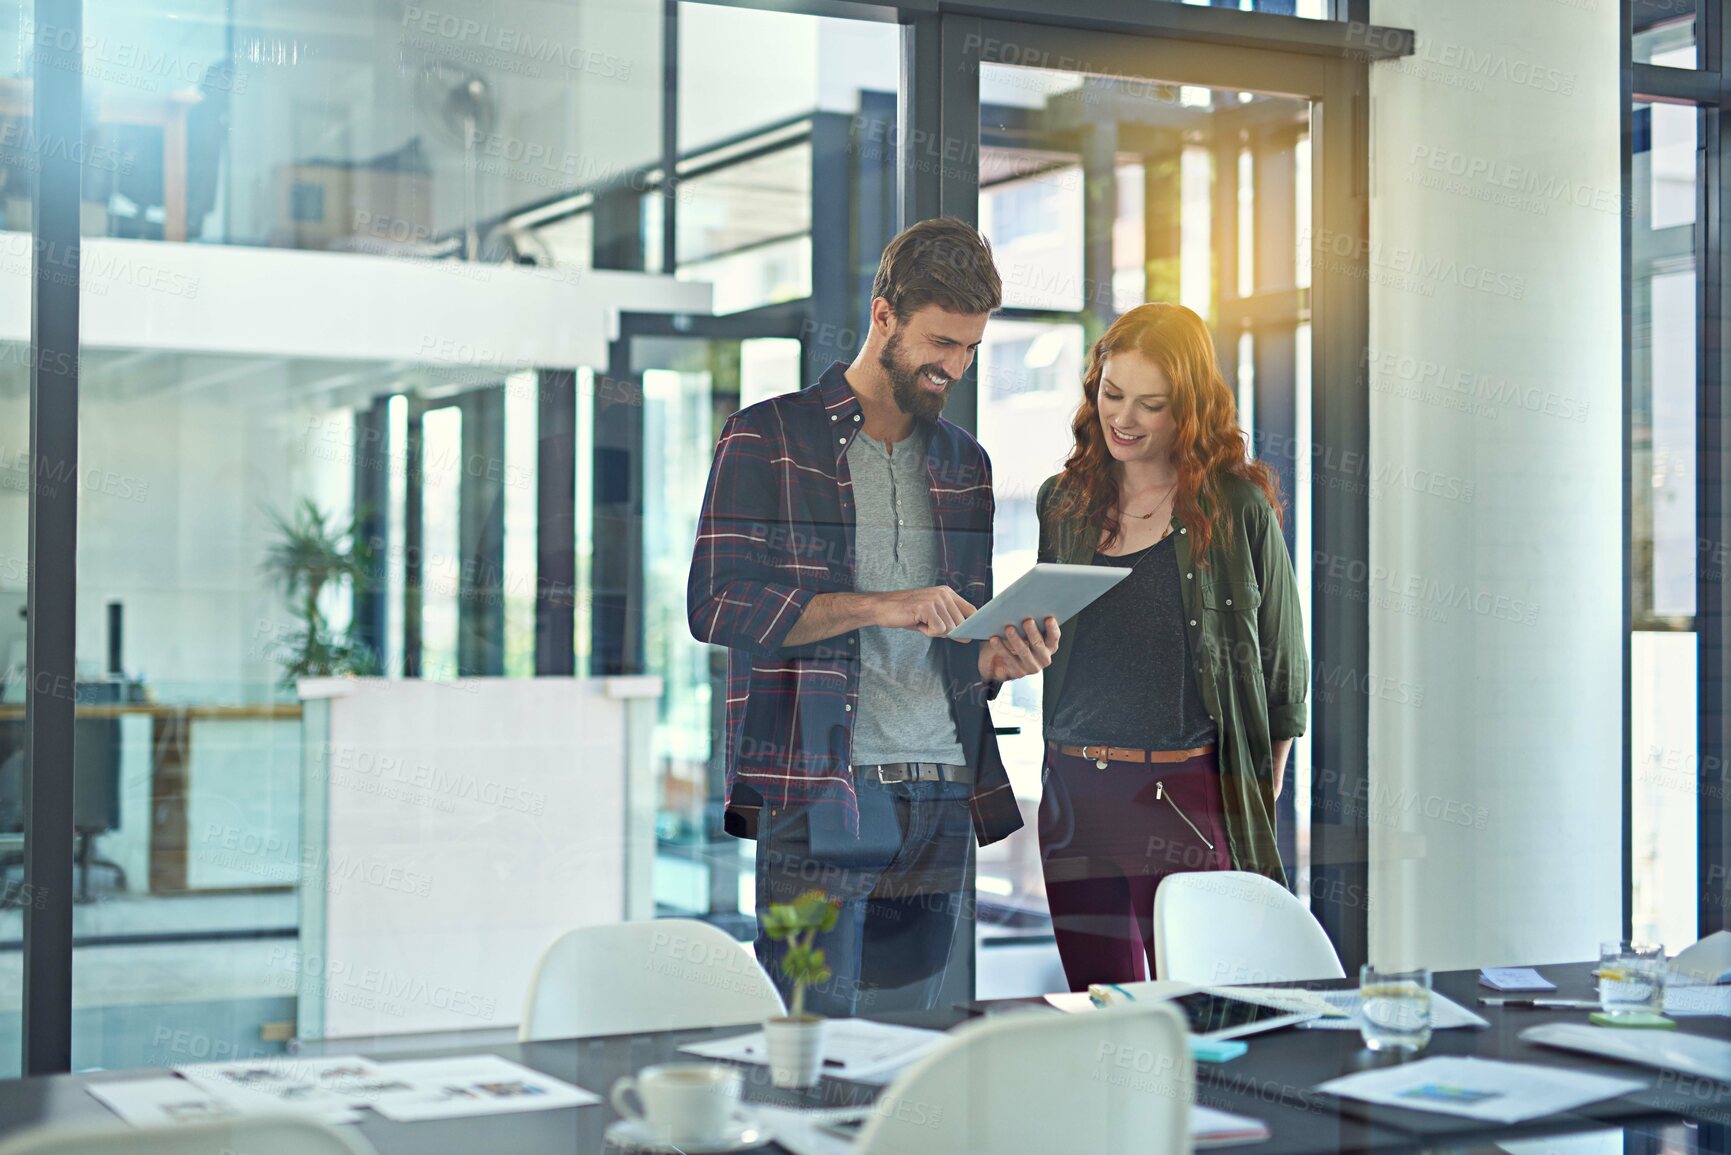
column 1016, row 653
column 1281, row 749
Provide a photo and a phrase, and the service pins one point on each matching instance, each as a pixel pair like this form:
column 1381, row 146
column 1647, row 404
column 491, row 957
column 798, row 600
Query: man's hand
column 1018, row 653
column 934, row 611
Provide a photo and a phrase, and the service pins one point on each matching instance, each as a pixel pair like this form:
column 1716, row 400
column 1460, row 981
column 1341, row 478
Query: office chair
column 1219, row 927
column 658, row 975
column 259, row 1135
column 1033, row 1082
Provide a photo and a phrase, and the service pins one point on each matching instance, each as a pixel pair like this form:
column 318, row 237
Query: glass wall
column 18, row 164
column 324, row 464
column 335, row 469
column 1666, row 559
column 756, row 171
column 384, row 309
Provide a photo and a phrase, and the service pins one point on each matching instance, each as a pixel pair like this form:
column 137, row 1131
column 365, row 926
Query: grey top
column 904, row 706
column 1132, row 679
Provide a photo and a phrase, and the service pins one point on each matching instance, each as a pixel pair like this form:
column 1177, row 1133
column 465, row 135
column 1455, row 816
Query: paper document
column 1706, row 961
column 1514, row 979
column 474, row 1085
column 857, row 1049
column 1445, row 1013
column 1486, row 1089
column 1666, row 1050
column 327, row 1088
column 1212, row 1128
column 1071, row 1001
column 1685, row 1001
column 162, row 1102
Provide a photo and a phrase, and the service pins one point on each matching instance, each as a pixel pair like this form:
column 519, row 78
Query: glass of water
column 1631, row 978
column 1396, row 1008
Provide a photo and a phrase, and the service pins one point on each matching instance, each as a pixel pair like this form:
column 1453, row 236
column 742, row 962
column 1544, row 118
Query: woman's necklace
column 1152, row 512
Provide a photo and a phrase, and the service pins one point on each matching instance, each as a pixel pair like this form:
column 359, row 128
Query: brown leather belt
column 1104, row 754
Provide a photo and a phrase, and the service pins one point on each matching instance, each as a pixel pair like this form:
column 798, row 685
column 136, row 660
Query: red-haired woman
column 1169, row 717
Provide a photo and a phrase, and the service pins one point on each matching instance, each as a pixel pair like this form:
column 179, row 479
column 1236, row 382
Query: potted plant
column 314, row 552
column 795, row 1040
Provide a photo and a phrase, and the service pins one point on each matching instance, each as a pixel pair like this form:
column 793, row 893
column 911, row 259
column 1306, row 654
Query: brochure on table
column 334, row 1089
column 475, row 1085
column 162, row 1102
column 1486, row 1089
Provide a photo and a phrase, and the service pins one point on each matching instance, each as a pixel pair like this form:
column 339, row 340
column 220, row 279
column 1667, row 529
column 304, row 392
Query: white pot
column 795, row 1050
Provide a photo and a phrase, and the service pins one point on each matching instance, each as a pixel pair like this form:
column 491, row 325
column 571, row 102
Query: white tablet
column 1047, row 590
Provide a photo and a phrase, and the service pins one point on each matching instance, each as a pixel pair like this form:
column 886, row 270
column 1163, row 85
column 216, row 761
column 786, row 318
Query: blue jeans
column 898, row 915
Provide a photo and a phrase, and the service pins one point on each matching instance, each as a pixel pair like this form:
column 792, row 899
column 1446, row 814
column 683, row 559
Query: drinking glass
column 1631, row 978
column 1396, row 1008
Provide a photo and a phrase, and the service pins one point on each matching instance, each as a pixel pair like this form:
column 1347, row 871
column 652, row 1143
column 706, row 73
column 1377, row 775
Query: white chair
column 249, row 1136
column 1033, row 1082
column 1220, row 927
column 664, row 974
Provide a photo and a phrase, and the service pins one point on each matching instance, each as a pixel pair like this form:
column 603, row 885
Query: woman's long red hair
column 1207, row 447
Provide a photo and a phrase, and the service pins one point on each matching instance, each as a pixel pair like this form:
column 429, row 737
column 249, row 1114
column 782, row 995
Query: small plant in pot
column 796, row 1040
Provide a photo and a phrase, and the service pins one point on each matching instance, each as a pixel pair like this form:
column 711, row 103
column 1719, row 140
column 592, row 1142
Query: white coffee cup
column 681, row 1102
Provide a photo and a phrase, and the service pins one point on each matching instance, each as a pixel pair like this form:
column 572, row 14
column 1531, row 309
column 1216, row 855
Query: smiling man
column 846, row 529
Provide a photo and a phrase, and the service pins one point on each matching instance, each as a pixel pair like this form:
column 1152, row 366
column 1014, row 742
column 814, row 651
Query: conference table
column 1272, row 1082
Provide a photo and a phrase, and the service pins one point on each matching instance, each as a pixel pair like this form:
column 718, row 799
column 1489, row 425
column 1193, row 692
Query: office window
column 745, row 226
column 1665, row 32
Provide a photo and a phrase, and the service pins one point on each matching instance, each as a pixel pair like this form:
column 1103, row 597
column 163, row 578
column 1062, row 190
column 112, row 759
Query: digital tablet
column 1047, row 590
column 1213, row 1015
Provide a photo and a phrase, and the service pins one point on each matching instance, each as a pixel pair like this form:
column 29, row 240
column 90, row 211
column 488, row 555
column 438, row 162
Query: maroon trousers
column 1107, row 838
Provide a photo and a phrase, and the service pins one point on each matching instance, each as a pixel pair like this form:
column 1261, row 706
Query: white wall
column 1494, row 808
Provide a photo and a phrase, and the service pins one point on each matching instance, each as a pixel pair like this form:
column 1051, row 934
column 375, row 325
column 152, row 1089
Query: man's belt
column 889, row 772
column 1104, row 754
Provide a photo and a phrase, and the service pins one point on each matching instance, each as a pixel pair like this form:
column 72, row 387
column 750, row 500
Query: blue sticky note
column 1216, row 1050
column 1515, row 979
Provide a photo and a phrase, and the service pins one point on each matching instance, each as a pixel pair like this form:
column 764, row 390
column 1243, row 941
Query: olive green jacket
column 1247, row 636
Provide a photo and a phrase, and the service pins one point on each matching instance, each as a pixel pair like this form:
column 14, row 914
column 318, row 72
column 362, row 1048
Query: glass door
column 1141, row 171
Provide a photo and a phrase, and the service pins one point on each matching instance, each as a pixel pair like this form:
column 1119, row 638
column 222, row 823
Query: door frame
column 940, row 169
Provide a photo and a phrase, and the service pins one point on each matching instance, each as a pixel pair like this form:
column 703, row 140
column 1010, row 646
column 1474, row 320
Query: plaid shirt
column 777, row 529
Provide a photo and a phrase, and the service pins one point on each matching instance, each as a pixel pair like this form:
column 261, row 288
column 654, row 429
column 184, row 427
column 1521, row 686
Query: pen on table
column 1552, row 1004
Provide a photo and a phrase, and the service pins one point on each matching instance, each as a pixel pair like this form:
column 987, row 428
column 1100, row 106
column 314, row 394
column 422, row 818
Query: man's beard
column 913, row 397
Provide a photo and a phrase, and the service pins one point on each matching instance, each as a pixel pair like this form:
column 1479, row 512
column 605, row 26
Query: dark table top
column 1274, row 1082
